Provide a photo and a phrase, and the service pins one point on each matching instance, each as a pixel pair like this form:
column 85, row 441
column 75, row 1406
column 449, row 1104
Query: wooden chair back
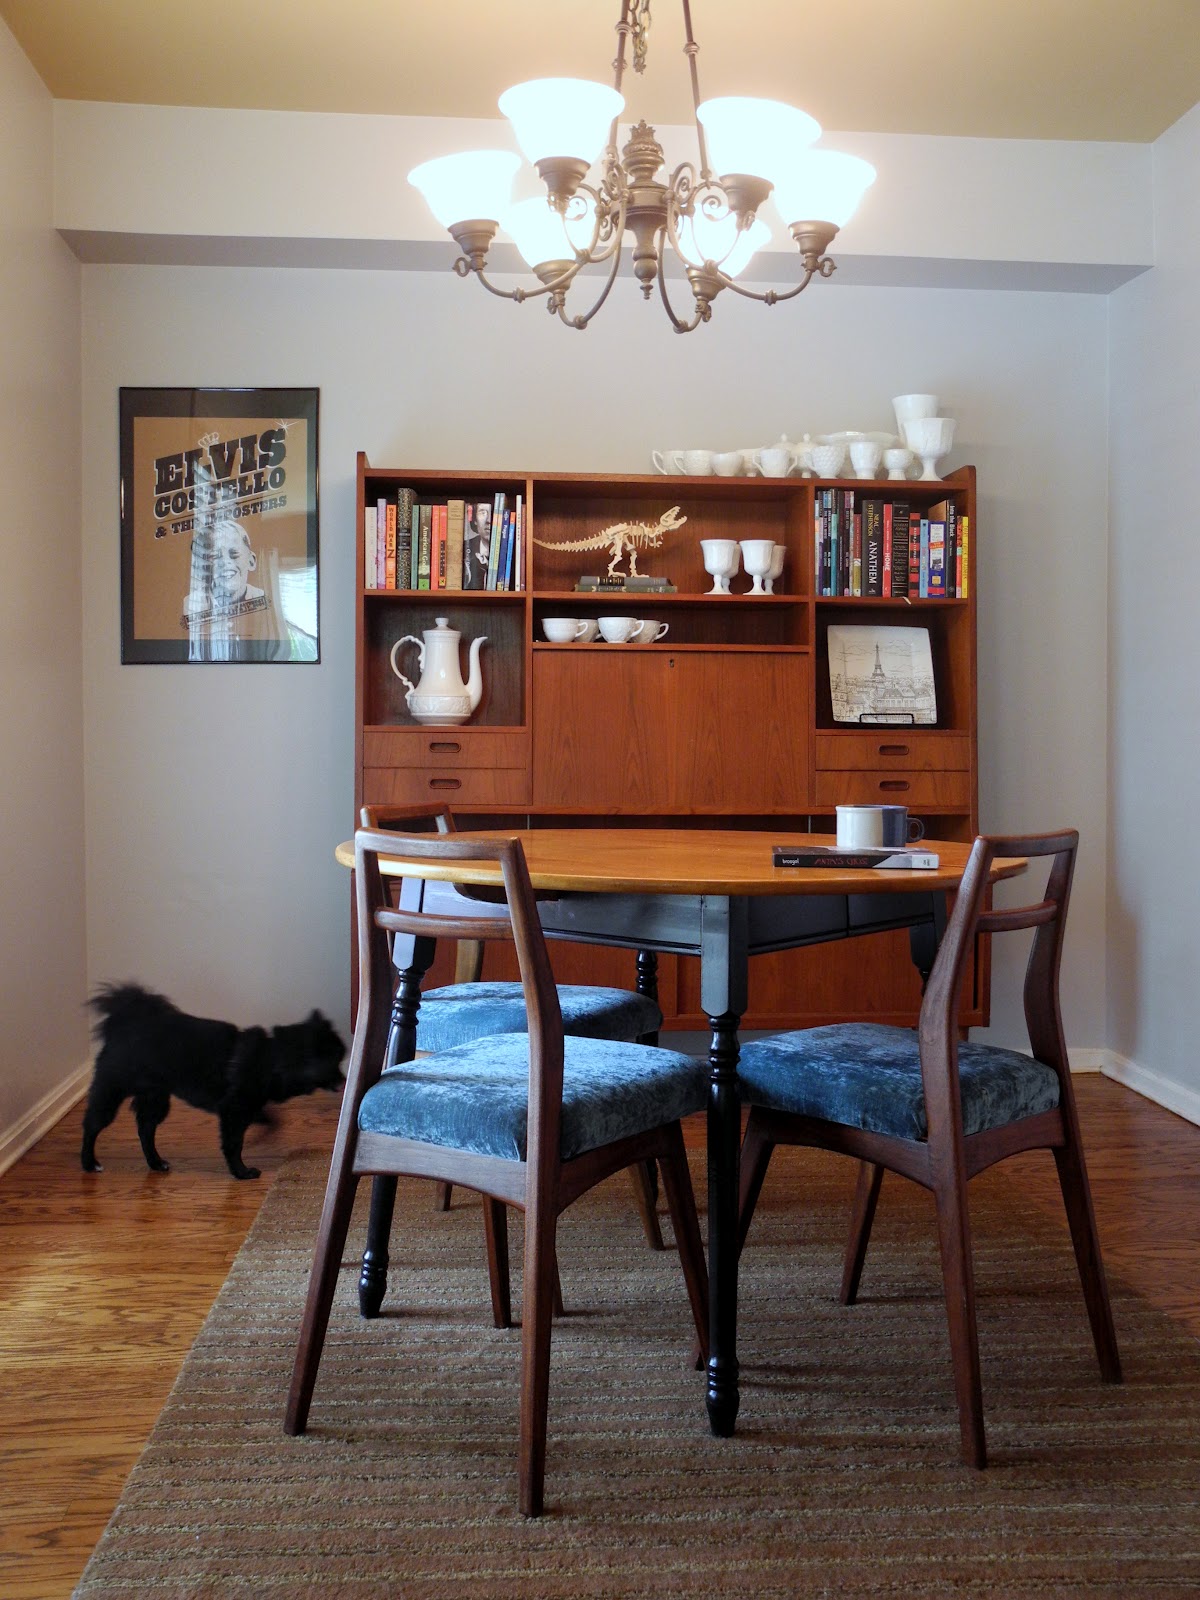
column 516, row 922
column 468, row 954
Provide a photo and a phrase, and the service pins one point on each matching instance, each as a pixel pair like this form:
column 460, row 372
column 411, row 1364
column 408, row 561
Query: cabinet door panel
column 599, row 732
column 739, row 731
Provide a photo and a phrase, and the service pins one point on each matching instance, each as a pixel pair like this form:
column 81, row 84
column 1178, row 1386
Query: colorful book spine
column 425, row 546
column 404, row 508
column 456, row 511
column 872, row 547
column 885, row 581
column 499, row 506
column 901, row 551
column 370, row 571
column 519, row 547
column 389, row 579
column 505, row 555
column 914, row 554
column 856, row 567
column 381, row 542
column 414, row 540
column 937, row 559
column 964, row 541
column 923, row 561
column 835, row 541
column 847, row 527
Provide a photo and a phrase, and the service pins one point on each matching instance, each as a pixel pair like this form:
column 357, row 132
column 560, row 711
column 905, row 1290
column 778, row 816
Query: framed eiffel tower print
column 881, row 676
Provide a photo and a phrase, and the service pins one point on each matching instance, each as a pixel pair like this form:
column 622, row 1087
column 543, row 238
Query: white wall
column 1154, row 875
column 43, row 1042
column 215, row 796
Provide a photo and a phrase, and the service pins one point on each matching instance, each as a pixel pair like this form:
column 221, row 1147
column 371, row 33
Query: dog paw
column 159, row 1166
column 248, row 1172
column 91, row 1166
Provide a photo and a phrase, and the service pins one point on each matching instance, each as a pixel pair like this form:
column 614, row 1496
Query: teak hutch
column 728, row 715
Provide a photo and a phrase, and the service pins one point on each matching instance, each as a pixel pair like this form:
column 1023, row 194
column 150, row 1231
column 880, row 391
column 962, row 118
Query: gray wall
column 43, row 1041
column 1154, row 877
column 215, row 796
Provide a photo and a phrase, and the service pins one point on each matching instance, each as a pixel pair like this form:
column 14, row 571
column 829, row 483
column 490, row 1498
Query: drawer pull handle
column 898, row 784
column 445, row 783
column 893, row 749
column 444, row 747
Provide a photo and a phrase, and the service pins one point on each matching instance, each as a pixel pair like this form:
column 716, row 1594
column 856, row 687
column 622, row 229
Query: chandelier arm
column 773, row 297
column 603, row 198
column 582, row 321
column 703, row 312
column 519, row 294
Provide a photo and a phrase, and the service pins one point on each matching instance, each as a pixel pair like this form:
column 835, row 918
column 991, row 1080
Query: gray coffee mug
column 899, row 828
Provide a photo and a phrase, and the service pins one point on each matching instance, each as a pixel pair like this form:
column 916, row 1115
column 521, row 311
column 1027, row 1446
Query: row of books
column 449, row 544
column 884, row 548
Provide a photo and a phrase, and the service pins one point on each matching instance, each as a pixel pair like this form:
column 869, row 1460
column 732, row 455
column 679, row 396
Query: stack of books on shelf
column 872, row 548
column 449, row 544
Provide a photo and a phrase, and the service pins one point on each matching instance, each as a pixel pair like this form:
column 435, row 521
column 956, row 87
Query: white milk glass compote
column 930, row 439
column 720, row 562
column 756, row 558
column 775, row 569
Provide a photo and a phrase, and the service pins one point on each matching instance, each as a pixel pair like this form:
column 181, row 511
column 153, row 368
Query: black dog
column 151, row 1050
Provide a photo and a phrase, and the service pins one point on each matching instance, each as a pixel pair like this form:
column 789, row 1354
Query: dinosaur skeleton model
column 623, row 538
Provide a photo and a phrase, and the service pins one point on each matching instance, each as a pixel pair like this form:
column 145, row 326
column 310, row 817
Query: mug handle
column 916, row 829
column 659, row 633
column 674, row 460
column 660, row 464
column 636, row 634
column 581, row 628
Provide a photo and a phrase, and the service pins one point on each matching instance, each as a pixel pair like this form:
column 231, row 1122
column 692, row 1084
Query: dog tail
column 116, row 1003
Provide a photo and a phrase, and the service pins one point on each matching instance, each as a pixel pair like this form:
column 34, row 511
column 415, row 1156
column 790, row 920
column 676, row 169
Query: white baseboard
column 1087, row 1058
column 1172, row 1096
column 39, row 1119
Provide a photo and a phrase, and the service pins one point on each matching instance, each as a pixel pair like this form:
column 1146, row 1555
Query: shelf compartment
column 501, row 660
column 766, row 621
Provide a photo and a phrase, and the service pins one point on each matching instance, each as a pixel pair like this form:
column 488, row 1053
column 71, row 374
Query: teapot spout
column 475, row 680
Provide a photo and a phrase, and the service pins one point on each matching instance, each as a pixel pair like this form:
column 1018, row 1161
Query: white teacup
column 695, row 463
column 664, row 460
column 620, row 630
column 727, row 463
column 774, row 462
column 865, row 456
column 657, row 631
column 564, row 630
column 591, row 630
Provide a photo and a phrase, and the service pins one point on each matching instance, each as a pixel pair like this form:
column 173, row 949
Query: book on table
column 900, row 859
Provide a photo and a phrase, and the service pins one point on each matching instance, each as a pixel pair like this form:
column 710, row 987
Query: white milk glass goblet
column 720, row 562
column 929, row 438
column 756, row 558
column 775, row 569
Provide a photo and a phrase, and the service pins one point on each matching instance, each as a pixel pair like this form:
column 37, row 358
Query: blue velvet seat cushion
column 475, row 1097
column 865, row 1075
column 464, row 1011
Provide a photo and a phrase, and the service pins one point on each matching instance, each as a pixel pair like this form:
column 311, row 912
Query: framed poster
column 219, row 525
column 881, row 675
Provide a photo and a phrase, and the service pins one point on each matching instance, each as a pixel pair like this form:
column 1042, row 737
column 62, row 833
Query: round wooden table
column 714, row 893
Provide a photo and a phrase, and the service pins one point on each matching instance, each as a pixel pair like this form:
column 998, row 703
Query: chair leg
column 681, row 1203
column 756, row 1157
column 331, row 1239
column 372, row 1281
column 1077, row 1197
column 958, row 1279
column 537, row 1324
column 495, row 1228
column 866, row 1198
column 441, row 1198
column 644, row 1177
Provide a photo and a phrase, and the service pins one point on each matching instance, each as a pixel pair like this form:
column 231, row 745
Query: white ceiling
column 1045, row 69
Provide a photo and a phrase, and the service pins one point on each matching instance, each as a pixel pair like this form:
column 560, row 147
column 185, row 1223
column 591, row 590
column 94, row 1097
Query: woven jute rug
column 843, row 1478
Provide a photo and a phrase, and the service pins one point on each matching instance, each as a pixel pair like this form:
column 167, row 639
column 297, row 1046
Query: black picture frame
column 219, row 526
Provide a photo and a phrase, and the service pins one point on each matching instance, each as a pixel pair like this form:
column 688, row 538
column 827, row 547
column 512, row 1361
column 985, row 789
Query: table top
column 714, row 861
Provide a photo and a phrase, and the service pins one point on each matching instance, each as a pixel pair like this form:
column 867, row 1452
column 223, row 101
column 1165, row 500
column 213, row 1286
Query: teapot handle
column 408, row 639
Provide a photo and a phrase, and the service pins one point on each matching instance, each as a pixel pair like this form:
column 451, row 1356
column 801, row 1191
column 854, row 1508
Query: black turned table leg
column 724, row 1153
column 401, row 1046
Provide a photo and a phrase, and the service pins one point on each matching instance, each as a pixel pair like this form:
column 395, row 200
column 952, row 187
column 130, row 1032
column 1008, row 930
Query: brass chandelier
column 761, row 151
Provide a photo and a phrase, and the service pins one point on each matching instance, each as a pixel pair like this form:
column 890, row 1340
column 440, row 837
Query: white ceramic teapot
column 441, row 698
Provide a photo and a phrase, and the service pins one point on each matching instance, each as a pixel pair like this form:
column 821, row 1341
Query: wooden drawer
column 886, row 748
column 457, row 787
column 944, row 791
column 446, row 747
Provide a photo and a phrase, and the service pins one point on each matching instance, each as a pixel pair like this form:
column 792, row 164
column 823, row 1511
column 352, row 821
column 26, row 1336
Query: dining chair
column 469, row 1009
column 531, row 1119
column 939, row 1110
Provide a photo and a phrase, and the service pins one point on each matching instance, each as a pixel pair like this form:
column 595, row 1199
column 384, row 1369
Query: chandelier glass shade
column 705, row 215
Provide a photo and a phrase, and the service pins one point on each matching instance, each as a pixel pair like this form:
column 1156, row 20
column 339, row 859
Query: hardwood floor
column 107, row 1278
